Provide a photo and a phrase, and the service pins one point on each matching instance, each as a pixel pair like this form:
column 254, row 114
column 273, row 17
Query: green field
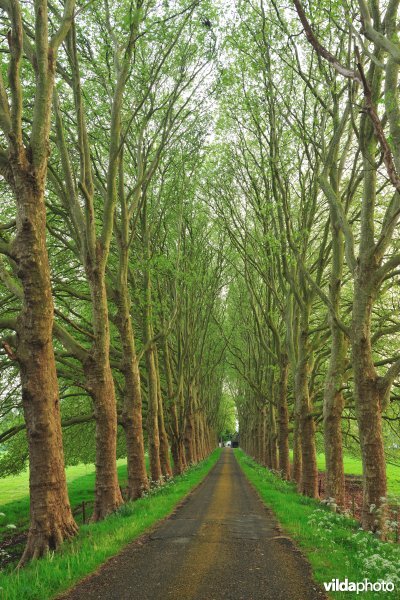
column 353, row 466
column 16, row 487
column 332, row 542
column 14, row 495
column 96, row 542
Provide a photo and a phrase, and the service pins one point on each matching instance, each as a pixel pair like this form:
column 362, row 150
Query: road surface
column 221, row 543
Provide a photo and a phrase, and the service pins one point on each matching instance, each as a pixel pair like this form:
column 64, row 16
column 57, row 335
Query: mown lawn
column 96, row 542
column 14, row 498
column 17, row 487
column 333, row 543
column 353, row 466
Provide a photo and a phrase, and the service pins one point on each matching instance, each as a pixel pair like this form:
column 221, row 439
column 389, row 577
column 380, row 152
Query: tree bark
column 273, row 446
column 100, row 383
column 51, row 519
column 283, row 419
column 132, row 404
column 309, row 478
column 152, row 418
column 369, row 407
column 164, row 445
column 333, row 395
column 177, row 447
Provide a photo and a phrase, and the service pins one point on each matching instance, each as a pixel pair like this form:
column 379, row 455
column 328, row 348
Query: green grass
column 16, row 487
column 353, row 466
column 96, row 542
column 333, row 543
column 14, row 495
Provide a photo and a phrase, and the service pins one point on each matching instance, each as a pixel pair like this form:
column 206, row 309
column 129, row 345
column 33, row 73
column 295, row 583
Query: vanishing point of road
column 221, row 543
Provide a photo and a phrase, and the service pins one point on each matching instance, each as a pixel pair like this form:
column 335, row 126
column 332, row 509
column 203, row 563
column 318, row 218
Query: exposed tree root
column 39, row 543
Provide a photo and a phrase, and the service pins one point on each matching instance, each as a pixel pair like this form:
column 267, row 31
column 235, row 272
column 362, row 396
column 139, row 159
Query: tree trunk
column 177, row 448
column 309, row 479
column 100, row 382
column 333, row 396
column 283, row 420
column 188, row 440
column 152, row 418
column 297, row 462
column 51, row 519
column 273, row 447
column 178, row 455
column 138, row 482
column 369, row 410
column 164, row 445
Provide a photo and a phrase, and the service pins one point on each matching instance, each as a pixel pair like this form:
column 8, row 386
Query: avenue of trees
column 200, row 204
column 110, row 272
column 305, row 184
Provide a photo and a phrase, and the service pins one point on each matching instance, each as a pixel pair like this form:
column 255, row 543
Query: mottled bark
column 189, row 441
column 283, row 419
column 297, row 462
column 262, row 438
column 152, row 418
column 51, row 520
column 309, row 477
column 177, row 447
column 100, row 383
column 273, row 438
column 333, row 395
column 131, row 416
column 164, row 445
column 368, row 400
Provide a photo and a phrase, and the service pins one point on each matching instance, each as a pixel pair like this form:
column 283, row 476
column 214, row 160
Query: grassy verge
column 333, row 543
column 96, row 542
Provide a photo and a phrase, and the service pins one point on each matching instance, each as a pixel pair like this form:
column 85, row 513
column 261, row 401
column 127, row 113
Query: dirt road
column 222, row 543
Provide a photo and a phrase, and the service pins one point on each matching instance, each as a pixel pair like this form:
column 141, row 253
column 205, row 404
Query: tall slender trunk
column 262, row 438
column 333, row 395
column 368, row 397
column 368, row 400
column 297, row 462
column 51, row 520
column 132, row 404
column 273, row 446
column 188, row 440
column 309, row 478
column 152, row 418
column 283, row 419
column 202, row 437
column 197, row 428
column 177, row 448
column 100, row 382
column 164, row 445
column 190, row 430
column 333, row 409
column 152, row 379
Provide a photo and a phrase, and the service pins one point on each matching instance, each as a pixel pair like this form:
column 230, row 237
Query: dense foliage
column 199, row 221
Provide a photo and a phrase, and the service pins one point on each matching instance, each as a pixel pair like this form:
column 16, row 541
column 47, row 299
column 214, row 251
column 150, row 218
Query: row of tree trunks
column 51, row 520
column 308, row 483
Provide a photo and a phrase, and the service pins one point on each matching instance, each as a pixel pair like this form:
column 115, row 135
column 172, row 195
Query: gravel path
column 221, row 543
